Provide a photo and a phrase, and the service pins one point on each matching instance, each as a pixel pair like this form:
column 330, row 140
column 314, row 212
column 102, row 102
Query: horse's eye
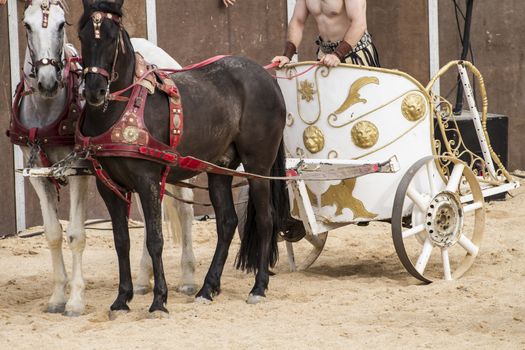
column 28, row 27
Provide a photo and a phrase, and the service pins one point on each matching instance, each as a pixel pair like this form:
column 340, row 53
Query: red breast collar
column 59, row 133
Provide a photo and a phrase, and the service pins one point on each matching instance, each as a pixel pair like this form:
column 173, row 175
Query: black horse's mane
column 103, row 6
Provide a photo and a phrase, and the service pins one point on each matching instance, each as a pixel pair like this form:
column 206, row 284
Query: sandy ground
column 357, row 295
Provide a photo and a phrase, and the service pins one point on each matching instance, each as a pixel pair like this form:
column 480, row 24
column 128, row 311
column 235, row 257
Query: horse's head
column 101, row 35
column 44, row 21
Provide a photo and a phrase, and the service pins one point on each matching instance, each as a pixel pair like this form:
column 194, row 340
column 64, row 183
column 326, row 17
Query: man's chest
column 329, row 8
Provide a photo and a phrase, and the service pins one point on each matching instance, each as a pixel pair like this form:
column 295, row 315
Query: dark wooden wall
column 193, row 30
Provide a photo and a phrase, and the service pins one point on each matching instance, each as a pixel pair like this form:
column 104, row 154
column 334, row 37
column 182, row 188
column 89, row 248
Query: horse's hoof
column 114, row 314
column 255, row 299
column 70, row 313
column 158, row 315
column 141, row 290
column 188, row 289
column 203, row 301
column 56, row 308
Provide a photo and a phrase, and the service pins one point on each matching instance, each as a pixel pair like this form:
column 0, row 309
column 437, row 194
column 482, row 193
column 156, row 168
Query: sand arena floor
column 357, row 295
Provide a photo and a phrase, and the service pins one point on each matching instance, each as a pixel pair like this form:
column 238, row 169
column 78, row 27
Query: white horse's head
column 44, row 21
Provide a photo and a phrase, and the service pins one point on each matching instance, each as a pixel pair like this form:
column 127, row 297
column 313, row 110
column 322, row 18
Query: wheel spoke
column 314, row 240
column 413, row 231
column 446, row 264
column 431, row 183
column 455, row 178
column 291, row 256
column 472, row 207
column 424, row 257
column 417, row 198
column 468, row 245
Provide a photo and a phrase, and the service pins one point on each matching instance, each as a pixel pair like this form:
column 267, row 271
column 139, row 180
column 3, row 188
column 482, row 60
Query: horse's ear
column 87, row 3
column 120, row 3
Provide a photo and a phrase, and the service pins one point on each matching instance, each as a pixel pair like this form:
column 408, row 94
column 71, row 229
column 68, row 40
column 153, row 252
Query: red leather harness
column 129, row 136
column 59, row 133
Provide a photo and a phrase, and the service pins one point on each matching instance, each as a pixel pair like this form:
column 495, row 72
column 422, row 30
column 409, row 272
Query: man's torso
column 331, row 18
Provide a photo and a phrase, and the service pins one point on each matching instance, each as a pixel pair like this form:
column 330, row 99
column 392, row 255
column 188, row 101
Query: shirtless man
column 343, row 35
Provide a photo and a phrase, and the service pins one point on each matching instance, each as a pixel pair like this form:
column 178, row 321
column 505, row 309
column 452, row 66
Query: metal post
column 14, row 57
column 433, row 40
column 466, row 46
column 151, row 13
column 290, row 6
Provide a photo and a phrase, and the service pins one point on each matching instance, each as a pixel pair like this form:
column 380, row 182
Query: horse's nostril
column 40, row 86
column 102, row 92
column 55, row 86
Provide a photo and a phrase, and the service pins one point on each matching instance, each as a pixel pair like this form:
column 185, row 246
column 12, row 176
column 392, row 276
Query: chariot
column 434, row 198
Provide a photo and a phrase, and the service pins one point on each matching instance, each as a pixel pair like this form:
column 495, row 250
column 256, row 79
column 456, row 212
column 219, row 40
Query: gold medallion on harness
column 414, row 107
column 365, row 134
column 313, row 139
column 131, row 134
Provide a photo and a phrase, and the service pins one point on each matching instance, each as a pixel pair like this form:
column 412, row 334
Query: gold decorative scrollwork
column 354, row 97
column 333, row 118
column 290, row 120
column 313, row 139
column 414, row 107
column 333, row 154
column 307, row 91
column 342, row 196
column 300, row 152
column 365, row 134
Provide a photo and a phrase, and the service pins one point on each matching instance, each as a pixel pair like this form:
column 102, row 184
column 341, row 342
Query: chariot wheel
column 308, row 249
column 447, row 220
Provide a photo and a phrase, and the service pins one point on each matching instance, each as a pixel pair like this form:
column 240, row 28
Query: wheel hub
column 444, row 219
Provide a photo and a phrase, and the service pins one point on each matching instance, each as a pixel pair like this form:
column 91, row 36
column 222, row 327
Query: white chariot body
column 357, row 115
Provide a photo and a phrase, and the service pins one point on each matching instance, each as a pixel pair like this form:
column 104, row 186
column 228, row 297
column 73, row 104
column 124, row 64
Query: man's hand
column 283, row 60
column 2, row 2
column 330, row 60
column 226, row 2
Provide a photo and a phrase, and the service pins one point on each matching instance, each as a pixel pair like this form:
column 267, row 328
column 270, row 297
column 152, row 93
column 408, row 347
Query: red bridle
column 97, row 18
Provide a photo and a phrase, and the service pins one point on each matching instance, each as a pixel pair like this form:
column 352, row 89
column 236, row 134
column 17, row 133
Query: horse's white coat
column 37, row 111
column 178, row 214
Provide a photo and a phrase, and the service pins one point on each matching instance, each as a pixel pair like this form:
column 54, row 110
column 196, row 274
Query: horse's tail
column 248, row 256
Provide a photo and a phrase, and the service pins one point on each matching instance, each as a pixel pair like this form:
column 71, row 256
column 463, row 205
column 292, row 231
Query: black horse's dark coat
column 234, row 113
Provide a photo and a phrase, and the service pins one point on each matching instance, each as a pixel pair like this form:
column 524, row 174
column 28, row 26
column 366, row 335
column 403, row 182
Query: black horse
column 234, row 113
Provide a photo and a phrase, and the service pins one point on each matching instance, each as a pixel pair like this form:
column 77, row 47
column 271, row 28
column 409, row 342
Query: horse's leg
column 222, row 200
column 48, row 203
column 149, row 192
column 143, row 284
column 260, row 194
column 76, row 236
column 180, row 217
column 118, row 210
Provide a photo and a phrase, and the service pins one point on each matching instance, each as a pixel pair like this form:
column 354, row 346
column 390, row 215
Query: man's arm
column 295, row 33
column 356, row 12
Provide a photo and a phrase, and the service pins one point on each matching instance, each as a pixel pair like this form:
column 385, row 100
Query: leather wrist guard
column 342, row 50
column 289, row 49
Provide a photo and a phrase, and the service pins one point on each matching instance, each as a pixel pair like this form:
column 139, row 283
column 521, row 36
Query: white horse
column 46, row 100
column 45, row 103
column 179, row 215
